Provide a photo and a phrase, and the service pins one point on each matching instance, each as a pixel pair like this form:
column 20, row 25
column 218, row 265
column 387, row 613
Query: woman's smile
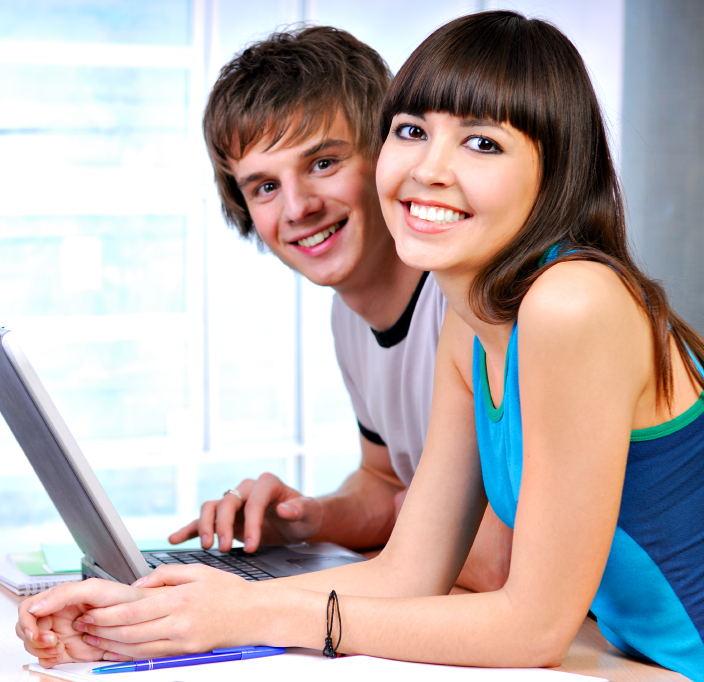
column 432, row 218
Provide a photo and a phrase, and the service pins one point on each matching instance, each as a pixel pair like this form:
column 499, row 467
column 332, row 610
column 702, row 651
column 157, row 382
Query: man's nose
column 300, row 201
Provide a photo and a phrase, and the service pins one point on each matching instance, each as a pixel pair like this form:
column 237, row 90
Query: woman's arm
column 585, row 360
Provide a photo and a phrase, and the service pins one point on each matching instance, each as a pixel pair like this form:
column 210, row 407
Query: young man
column 291, row 130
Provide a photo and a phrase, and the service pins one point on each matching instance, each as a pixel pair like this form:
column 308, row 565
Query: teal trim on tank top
column 672, row 426
column 550, row 254
column 637, row 435
column 494, row 413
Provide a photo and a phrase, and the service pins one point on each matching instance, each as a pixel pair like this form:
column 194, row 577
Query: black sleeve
column 371, row 436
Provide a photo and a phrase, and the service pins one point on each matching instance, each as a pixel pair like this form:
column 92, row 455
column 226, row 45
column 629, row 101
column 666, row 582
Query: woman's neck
column 494, row 337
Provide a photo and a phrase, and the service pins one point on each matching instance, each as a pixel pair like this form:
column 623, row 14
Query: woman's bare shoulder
column 584, row 309
column 578, row 295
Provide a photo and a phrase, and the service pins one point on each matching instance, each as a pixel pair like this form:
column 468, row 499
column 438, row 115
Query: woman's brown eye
column 415, row 132
column 484, row 145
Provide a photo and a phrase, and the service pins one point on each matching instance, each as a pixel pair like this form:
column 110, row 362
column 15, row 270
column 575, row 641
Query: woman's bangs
column 466, row 95
column 472, row 74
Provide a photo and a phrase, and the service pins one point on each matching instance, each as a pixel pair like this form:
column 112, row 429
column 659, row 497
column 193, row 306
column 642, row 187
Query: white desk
column 590, row 654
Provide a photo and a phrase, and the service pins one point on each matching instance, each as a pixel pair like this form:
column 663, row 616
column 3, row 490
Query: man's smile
column 321, row 236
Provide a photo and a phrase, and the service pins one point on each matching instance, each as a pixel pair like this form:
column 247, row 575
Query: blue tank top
column 650, row 602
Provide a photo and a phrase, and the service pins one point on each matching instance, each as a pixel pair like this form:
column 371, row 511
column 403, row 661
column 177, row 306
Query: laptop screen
column 62, row 468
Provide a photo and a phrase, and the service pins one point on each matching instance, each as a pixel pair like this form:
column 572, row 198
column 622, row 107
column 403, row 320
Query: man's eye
column 323, row 164
column 410, row 132
column 483, row 144
column 266, row 188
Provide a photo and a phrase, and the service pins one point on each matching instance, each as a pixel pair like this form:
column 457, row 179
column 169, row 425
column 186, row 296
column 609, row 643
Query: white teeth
column 436, row 215
column 319, row 237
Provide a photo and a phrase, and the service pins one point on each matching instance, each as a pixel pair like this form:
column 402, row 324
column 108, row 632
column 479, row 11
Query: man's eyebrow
column 254, row 177
column 322, row 146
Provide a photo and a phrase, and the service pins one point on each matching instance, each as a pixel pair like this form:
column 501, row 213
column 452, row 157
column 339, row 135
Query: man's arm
column 359, row 515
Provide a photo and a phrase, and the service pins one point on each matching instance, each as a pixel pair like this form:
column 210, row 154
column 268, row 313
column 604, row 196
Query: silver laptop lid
column 62, row 468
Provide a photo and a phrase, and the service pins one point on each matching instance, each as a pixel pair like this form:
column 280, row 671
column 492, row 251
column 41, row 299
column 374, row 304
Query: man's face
column 314, row 204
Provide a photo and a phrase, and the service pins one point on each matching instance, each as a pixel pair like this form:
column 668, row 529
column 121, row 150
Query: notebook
column 109, row 550
column 23, row 584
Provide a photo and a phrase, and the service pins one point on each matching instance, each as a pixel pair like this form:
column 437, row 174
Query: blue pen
column 239, row 653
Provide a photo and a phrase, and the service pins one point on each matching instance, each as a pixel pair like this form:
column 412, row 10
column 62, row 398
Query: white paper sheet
column 303, row 665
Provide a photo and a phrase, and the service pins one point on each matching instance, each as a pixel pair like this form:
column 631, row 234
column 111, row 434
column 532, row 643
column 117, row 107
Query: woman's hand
column 57, row 641
column 45, row 622
column 193, row 609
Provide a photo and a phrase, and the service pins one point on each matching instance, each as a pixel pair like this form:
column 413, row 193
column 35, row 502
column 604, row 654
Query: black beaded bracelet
column 332, row 607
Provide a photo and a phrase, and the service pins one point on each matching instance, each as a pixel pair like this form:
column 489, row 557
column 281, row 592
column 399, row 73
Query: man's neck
column 380, row 293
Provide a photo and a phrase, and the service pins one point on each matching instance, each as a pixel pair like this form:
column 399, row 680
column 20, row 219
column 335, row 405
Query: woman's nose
column 433, row 168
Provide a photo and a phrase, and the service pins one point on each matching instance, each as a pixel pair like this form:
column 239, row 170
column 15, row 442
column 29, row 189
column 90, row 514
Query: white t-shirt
column 389, row 375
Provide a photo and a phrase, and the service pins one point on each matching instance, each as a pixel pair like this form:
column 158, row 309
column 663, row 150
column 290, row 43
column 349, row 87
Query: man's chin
column 333, row 280
column 326, row 277
column 331, row 271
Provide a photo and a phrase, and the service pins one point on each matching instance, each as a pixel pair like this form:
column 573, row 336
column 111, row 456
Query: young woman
column 566, row 391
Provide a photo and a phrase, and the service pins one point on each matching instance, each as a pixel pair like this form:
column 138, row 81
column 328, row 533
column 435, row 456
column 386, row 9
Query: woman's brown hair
column 502, row 67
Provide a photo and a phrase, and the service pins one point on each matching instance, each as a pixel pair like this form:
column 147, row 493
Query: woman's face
column 455, row 191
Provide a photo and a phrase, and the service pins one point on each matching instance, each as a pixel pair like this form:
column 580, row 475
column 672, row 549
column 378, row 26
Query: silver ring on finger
column 235, row 492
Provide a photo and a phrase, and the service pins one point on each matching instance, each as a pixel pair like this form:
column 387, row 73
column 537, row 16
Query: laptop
column 110, row 552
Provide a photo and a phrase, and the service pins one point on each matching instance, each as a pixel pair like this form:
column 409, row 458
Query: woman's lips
column 418, row 224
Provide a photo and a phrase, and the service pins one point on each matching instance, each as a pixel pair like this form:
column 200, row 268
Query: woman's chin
column 414, row 257
column 420, row 260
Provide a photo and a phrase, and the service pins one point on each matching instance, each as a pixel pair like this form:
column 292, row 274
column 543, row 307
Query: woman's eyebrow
column 465, row 123
column 472, row 122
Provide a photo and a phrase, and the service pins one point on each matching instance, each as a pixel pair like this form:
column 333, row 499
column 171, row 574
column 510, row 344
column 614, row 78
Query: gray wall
column 663, row 145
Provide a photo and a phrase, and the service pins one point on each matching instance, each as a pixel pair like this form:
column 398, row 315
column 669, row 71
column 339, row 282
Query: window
column 168, row 344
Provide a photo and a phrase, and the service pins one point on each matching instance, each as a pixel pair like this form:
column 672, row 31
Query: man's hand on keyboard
column 269, row 512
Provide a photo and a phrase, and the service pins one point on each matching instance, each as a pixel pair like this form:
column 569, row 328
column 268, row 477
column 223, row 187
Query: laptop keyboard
column 234, row 562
